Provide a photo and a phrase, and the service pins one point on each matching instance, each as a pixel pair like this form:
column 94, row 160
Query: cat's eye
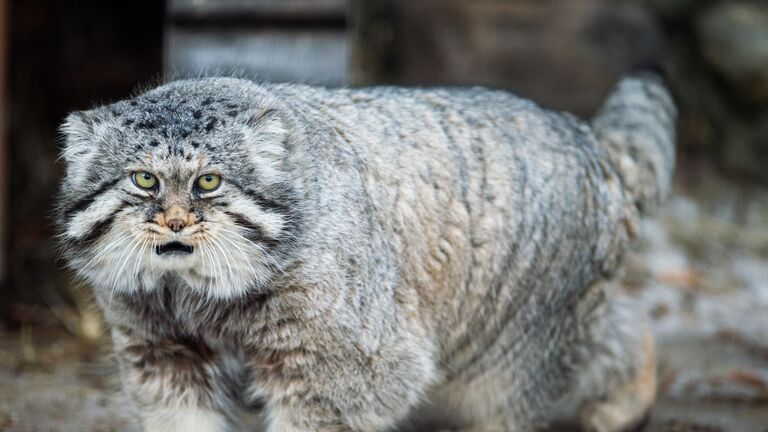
column 144, row 180
column 208, row 182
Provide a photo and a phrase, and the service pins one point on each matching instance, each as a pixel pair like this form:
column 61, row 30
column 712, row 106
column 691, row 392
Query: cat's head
column 189, row 180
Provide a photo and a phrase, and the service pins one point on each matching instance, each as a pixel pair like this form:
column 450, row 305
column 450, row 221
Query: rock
column 733, row 37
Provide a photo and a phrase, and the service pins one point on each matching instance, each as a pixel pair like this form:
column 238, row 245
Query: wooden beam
column 3, row 138
column 212, row 10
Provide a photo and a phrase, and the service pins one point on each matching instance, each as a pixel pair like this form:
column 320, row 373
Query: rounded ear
column 79, row 147
column 265, row 140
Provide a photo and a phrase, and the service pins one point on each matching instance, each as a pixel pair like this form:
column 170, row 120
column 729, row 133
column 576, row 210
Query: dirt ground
column 701, row 274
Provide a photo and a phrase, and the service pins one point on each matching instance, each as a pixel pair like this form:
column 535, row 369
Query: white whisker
column 207, row 264
column 227, row 256
column 111, row 245
column 139, row 256
column 244, row 256
column 218, row 270
column 262, row 251
column 228, row 265
column 152, row 253
column 117, row 274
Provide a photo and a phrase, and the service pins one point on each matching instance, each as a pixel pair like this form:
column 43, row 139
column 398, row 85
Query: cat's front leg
column 176, row 384
column 367, row 411
column 342, row 390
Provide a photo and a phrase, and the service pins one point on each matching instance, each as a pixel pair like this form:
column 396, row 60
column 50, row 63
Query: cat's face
column 188, row 180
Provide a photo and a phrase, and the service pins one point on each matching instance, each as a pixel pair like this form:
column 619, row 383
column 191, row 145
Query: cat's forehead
column 176, row 123
column 172, row 114
column 175, row 165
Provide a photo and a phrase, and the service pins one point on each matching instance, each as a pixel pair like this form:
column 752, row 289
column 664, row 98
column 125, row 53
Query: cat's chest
column 175, row 312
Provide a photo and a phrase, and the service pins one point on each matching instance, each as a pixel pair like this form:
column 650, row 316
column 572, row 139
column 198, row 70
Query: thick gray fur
column 369, row 250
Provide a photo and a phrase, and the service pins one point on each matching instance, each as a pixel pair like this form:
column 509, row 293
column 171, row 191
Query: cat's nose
column 176, row 224
column 176, row 218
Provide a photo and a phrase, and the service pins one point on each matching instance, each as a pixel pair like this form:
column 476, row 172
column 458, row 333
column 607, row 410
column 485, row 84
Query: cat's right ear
column 266, row 137
column 79, row 146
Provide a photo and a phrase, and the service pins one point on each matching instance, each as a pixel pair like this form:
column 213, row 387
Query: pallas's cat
column 347, row 255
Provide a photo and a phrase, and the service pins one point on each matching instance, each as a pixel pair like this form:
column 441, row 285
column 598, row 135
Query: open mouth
column 174, row 248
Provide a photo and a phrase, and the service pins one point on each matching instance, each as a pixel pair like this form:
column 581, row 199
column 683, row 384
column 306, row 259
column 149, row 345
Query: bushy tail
column 637, row 124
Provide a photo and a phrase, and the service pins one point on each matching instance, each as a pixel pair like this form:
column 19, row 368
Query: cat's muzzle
column 174, row 248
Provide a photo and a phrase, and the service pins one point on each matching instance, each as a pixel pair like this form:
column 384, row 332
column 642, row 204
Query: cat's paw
column 627, row 408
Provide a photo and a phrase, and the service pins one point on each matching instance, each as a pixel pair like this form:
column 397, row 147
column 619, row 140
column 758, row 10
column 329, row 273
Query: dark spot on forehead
column 210, row 124
column 195, row 144
column 189, row 156
column 128, row 122
column 196, row 114
column 232, row 113
column 146, row 124
column 154, row 143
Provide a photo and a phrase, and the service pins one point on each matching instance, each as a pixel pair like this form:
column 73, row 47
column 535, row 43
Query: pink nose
column 176, row 224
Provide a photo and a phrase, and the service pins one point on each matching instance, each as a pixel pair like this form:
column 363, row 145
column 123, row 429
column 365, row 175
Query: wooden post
column 3, row 164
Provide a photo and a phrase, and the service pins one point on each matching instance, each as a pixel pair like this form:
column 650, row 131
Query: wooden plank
column 257, row 9
column 312, row 56
column 3, row 137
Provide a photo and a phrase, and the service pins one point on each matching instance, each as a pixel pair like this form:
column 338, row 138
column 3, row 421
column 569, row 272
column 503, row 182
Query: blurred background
column 701, row 272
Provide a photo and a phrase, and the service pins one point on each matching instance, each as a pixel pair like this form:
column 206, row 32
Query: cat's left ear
column 267, row 139
column 79, row 147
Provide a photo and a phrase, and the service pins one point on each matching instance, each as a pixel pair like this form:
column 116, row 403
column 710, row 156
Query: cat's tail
column 637, row 124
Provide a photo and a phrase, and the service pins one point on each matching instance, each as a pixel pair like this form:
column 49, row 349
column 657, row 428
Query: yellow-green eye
column 209, row 182
column 144, row 180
